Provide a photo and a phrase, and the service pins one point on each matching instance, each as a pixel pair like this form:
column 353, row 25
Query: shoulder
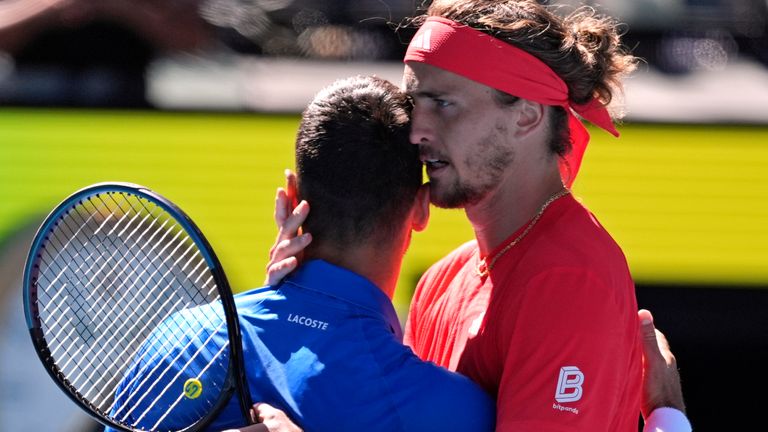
column 440, row 276
column 584, row 236
column 254, row 298
column 449, row 265
column 458, row 256
column 573, row 244
column 185, row 325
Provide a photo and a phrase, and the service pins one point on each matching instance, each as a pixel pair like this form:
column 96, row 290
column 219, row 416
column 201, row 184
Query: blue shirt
column 326, row 347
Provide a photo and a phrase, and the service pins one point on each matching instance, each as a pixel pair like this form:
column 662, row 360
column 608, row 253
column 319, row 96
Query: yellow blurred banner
column 687, row 203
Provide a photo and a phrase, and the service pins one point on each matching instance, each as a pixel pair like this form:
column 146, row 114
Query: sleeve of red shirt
column 567, row 353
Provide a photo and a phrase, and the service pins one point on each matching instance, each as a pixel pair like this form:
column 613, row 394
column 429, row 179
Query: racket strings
column 88, row 297
column 101, row 227
column 157, row 395
column 108, row 286
column 83, row 246
column 87, row 300
column 159, row 358
column 181, row 396
column 101, row 260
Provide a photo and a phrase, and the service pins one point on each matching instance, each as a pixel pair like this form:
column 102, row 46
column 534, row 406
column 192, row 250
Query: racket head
column 121, row 289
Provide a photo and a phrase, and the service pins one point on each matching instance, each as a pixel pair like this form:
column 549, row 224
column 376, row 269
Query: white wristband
column 667, row 420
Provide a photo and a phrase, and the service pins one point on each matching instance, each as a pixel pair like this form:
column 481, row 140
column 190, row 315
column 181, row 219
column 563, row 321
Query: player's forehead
column 419, row 78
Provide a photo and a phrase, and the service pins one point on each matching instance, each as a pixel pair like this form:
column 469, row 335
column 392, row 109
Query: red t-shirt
column 552, row 332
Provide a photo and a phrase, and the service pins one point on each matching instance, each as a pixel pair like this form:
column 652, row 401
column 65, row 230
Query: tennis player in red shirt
column 540, row 308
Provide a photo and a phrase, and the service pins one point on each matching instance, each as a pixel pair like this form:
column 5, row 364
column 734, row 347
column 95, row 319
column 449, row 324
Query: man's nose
column 422, row 126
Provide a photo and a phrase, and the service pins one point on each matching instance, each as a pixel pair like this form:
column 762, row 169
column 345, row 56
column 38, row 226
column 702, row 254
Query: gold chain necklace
column 484, row 267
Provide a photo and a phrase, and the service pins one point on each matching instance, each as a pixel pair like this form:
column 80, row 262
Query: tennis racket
column 131, row 314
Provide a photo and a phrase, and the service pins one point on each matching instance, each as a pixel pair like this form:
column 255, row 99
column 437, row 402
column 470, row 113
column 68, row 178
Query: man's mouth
column 432, row 160
column 433, row 164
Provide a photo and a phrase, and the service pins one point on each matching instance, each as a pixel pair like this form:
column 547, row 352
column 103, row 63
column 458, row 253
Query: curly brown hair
column 583, row 48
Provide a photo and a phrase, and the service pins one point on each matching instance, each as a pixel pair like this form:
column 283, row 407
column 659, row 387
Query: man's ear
column 530, row 117
column 421, row 209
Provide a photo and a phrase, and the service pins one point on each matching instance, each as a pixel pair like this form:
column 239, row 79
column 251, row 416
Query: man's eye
column 442, row 103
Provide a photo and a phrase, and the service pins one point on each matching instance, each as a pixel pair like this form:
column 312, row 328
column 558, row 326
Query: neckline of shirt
column 331, row 280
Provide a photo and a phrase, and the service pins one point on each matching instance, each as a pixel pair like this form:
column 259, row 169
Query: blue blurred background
column 199, row 100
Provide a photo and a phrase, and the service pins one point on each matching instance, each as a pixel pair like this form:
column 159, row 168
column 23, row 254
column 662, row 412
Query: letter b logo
column 569, row 384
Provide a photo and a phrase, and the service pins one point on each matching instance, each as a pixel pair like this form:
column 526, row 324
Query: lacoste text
column 309, row 322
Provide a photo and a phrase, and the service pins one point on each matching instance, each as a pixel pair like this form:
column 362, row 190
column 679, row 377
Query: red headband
column 482, row 58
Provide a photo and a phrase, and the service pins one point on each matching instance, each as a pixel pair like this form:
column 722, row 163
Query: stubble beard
column 487, row 167
column 455, row 195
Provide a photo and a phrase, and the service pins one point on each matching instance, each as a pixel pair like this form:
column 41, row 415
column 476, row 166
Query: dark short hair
column 354, row 162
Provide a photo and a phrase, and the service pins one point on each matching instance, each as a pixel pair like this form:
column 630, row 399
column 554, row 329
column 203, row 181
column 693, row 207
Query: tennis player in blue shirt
column 325, row 344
